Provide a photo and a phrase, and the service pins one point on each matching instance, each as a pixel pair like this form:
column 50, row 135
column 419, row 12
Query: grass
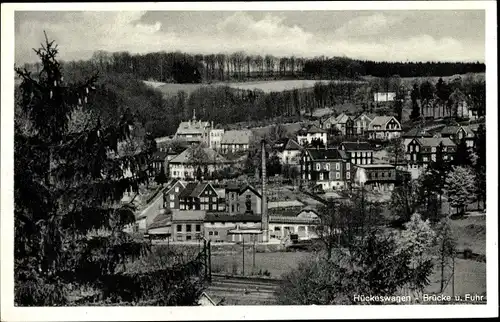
column 470, row 233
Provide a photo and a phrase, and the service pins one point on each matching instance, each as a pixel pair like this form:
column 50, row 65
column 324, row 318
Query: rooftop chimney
column 265, row 218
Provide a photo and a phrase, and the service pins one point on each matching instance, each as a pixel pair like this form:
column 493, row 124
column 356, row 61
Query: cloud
column 82, row 33
column 368, row 25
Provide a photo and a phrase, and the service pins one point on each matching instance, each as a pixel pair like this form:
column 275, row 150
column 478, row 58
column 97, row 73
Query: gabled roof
column 342, row 118
column 171, row 184
column 287, row 144
column 380, row 121
column 370, row 116
column 434, row 142
column 236, row 137
column 199, row 189
column 417, row 132
column 250, row 187
column 326, row 154
column 188, row 190
column 226, row 217
column 310, row 129
column 357, row 146
column 192, row 127
column 185, row 156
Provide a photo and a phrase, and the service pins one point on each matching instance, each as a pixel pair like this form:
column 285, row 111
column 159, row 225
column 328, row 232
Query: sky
column 414, row 35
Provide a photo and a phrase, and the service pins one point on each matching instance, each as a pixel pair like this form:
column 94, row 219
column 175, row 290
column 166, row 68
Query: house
column 415, row 133
column 171, row 194
column 147, row 215
column 343, row 123
column 161, row 227
column 199, row 196
column 307, row 134
column 215, row 138
column 384, row 96
column 236, row 140
column 288, row 150
column 420, row 152
column 358, row 152
column 361, row 123
column 219, row 227
column 384, row 128
column 458, row 133
column 302, row 222
column 185, row 165
column 378, row 177
column 187, row 224
column 329, row 168
column 242, row 198
column 194, row 131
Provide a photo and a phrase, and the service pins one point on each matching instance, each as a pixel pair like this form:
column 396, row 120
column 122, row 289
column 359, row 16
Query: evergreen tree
column 69, row 179
column 480, row 164
column 462, row 155
column 415, row 109
column 460, row 187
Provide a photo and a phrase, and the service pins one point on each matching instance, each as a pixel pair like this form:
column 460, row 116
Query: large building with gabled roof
column 329, row 168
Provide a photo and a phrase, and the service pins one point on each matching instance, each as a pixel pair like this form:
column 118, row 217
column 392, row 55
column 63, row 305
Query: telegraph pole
column 243, row 254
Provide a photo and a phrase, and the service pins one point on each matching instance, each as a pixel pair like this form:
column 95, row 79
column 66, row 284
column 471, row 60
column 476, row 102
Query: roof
column 370, row 116
column 192, row 127
column 342, row 118
column 287, row 144
column 310, row 129
column 226, row 217
column 188, row 215
column 326, row 154
column 211, row 154
column 284, row 203
column 380, row 121
column 236, row 137
column 357, row 146
column 221, row 192
column 188, row 190
column 417, row 132
column 252, row 188
column 292, row 220
column 162, row 220
column 171, row 184
column 434, row 142
column 449, row 130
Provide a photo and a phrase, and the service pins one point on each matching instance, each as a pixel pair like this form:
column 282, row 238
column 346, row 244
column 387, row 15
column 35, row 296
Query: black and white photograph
column 244, row 156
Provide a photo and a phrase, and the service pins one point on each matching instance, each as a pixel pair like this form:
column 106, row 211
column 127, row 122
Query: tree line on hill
column 195, row 68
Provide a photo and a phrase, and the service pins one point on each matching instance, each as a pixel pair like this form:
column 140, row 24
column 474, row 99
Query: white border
column 10, row 313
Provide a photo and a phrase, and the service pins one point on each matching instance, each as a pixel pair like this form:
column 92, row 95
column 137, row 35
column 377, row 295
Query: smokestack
column 265, row 218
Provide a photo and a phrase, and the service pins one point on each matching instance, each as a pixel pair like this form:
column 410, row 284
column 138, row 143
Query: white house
column 215, row 138
column 384, row 96
column 303, row 223
column 310, row 133
column 183, row 166
column 288, row 150
column 361, row 123
column 384, row 128
column 236, row 140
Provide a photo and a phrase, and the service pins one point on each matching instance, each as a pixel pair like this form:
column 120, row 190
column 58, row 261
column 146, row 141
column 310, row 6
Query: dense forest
column 187, row 68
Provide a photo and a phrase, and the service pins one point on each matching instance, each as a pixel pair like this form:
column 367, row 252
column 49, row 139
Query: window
column 183, row 206
column 188, row 228
column 179, row 237
column 172, row 197
column 321, row 176
column 216, row 233
column 433, row 149
column 348, row 175
column 327, row 166
column 337, row 175
column 318, row 166
column 425, row 159
column 179, row 227
column 210, row 233
column 198, row 228
column 337, row 166
column 214, row 199
column 172, row 205
column 232, row 208
column 348, row 166
column 232, row 196
column 188, row 237
column 176, row 188
column 309, row 176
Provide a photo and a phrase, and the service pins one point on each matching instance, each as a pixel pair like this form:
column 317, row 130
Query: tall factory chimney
column 265, row 217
